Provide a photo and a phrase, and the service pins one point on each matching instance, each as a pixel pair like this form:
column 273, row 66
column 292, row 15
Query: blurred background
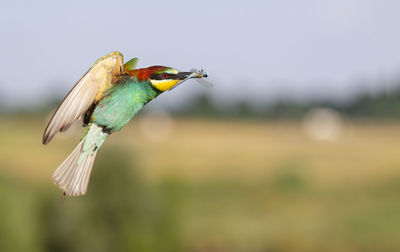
column 296, row 148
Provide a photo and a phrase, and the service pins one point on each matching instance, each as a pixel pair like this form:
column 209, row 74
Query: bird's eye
column 165, row 75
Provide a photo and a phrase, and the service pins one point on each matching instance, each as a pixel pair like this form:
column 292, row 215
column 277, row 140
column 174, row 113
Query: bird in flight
column 106, row 98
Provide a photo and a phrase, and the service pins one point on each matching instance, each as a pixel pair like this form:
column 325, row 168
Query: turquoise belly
column 121, row 103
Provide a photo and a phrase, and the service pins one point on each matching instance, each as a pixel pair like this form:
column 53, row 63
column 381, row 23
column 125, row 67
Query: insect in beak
column 199, row 75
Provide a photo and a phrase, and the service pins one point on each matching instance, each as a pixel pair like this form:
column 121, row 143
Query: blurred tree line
column 378, row 105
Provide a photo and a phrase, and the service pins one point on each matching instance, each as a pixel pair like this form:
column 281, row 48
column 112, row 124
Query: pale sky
column 252, row 49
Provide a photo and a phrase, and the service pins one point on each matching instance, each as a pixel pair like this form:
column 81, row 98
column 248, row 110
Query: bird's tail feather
column 72, row 176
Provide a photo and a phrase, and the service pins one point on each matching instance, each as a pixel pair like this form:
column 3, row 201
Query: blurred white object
column 156, row 126
column 323, row 124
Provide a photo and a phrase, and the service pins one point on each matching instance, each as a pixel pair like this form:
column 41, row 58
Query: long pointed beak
column 199, row 75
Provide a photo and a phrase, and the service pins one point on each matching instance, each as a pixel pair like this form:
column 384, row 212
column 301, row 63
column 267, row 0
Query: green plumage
column 121, row 102
column 106, row 98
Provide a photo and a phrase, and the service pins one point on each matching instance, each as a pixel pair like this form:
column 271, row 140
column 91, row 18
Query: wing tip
column 46, row 139
column 48, row 134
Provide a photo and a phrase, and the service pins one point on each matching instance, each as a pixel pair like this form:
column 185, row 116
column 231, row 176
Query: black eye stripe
column 163, row 76
column 169, row 76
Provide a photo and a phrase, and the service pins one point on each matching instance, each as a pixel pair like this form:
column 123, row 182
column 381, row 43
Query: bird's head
column 164, row 78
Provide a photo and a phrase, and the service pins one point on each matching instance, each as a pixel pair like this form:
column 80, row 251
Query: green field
column 205, row 185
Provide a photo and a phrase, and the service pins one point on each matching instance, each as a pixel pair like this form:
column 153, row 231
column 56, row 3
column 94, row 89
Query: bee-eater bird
column 105, row 98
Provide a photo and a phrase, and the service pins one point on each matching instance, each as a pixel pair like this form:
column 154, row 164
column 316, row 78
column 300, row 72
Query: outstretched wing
column 88, row 90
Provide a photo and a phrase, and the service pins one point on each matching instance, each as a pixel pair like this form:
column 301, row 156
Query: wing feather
column 88, row 90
